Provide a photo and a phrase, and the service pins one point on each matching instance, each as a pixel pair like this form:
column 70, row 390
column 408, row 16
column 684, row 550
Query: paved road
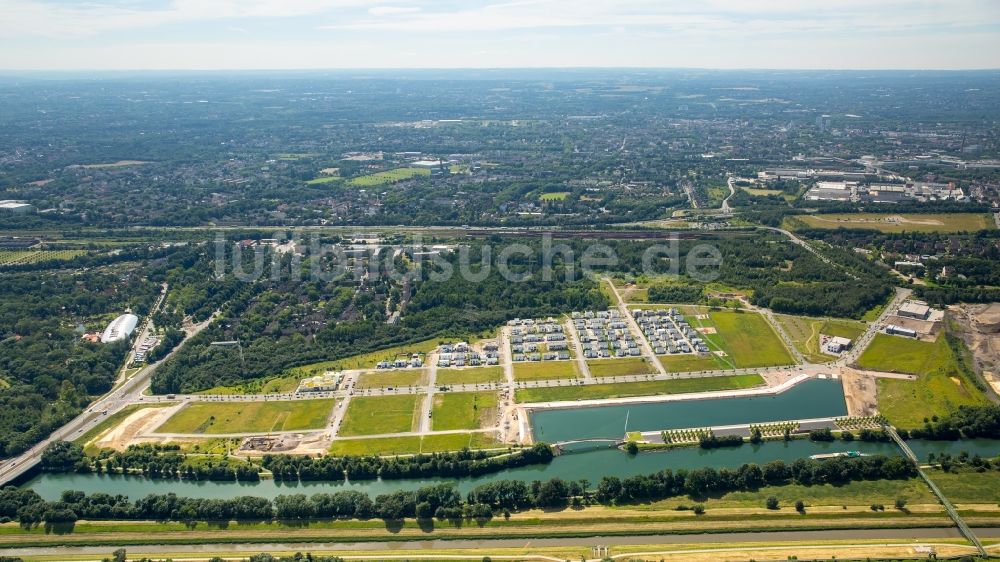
column 647, row 351
column 796, row 240
column 860, row 344
column 907, row 538
column 726, row 209
column 129, row 392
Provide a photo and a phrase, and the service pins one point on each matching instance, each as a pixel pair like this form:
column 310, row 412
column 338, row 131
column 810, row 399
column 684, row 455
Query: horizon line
column 489, row 68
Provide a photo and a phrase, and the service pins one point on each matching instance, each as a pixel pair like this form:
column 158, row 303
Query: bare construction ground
column 139, row 423
column 979, row 327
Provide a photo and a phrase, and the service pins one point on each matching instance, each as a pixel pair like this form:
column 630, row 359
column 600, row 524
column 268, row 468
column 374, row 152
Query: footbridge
column 609, row 441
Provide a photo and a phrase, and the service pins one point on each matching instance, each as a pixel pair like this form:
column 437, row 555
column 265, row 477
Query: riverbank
column 531, row 525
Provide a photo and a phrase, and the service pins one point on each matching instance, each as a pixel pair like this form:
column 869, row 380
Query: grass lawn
column 545, row 370
column 968, row 486
column 463, row 410
column 374, row 415
column 413, row 444
column 805, row 332
column 387, row 177
column 645, row 388
column 747, row 338
column 861, row 493
column 475, row 375
column 21, row 257
column 324, row 179
column 687, row 363
column 249, row 417
column 941, row 384
column 392, row 377
column 947, row 222
column 554, row 196
column 619, row 367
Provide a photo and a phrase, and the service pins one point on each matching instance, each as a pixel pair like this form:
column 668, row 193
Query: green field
column 249, row 417
column 948, row 222
column 747, row 339
column 387, row 177
column 619, row 367
column 375, row 415
column 392, row 378
column 687, row 363
column 413, row 444
column 475, row 375
column 21, row 257
column 967, row 486
column 546, row 370
column 554, row 196
column 941, row 386
column 463, row 410
column 645, row 388
column 860, row 493
column 805, row 332
column 324, row 179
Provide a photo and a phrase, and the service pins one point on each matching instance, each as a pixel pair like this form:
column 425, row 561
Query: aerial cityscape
column 484, row 293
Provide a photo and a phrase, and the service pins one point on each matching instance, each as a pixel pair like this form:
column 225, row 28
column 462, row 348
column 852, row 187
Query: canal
column 812, row 399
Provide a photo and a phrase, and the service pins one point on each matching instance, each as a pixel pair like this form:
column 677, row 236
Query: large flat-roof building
column 435, row 166
column 838, row 345
column 120, row 328
column 16, row 207
column 914, row 310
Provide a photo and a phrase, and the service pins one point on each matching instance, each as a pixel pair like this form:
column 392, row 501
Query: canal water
column 812, row 399
column 591, row 465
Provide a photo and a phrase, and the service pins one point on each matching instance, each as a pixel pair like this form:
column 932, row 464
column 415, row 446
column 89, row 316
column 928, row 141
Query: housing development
column 524, row 315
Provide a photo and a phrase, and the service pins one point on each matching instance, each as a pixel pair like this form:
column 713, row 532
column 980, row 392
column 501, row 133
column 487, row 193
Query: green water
column 815, row 398
column 591, row 465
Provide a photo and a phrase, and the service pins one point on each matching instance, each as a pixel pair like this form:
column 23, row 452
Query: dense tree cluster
column 453, row 464
column 968, row 422
column 167, row 461
column 46, row 371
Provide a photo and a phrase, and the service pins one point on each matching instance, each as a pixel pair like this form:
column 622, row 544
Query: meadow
column 545, row 370
column 387, row 177
column 474, row 375
column 375, row 415
column 644, row 388
column 463, row 410
column 946, row 222
column 942, row 383
column 249, row 417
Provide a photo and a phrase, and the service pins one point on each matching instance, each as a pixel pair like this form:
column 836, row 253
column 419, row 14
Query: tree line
column 168, row 462
column 444, row 502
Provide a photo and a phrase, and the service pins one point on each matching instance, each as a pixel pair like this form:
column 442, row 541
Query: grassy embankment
column 943, row 378
column 644, row 388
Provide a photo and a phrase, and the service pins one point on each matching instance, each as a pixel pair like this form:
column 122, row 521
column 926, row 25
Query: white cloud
column 19, row 18
column 392, row 10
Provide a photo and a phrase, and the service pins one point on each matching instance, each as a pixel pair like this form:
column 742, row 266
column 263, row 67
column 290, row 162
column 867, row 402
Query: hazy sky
column 255, row 34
